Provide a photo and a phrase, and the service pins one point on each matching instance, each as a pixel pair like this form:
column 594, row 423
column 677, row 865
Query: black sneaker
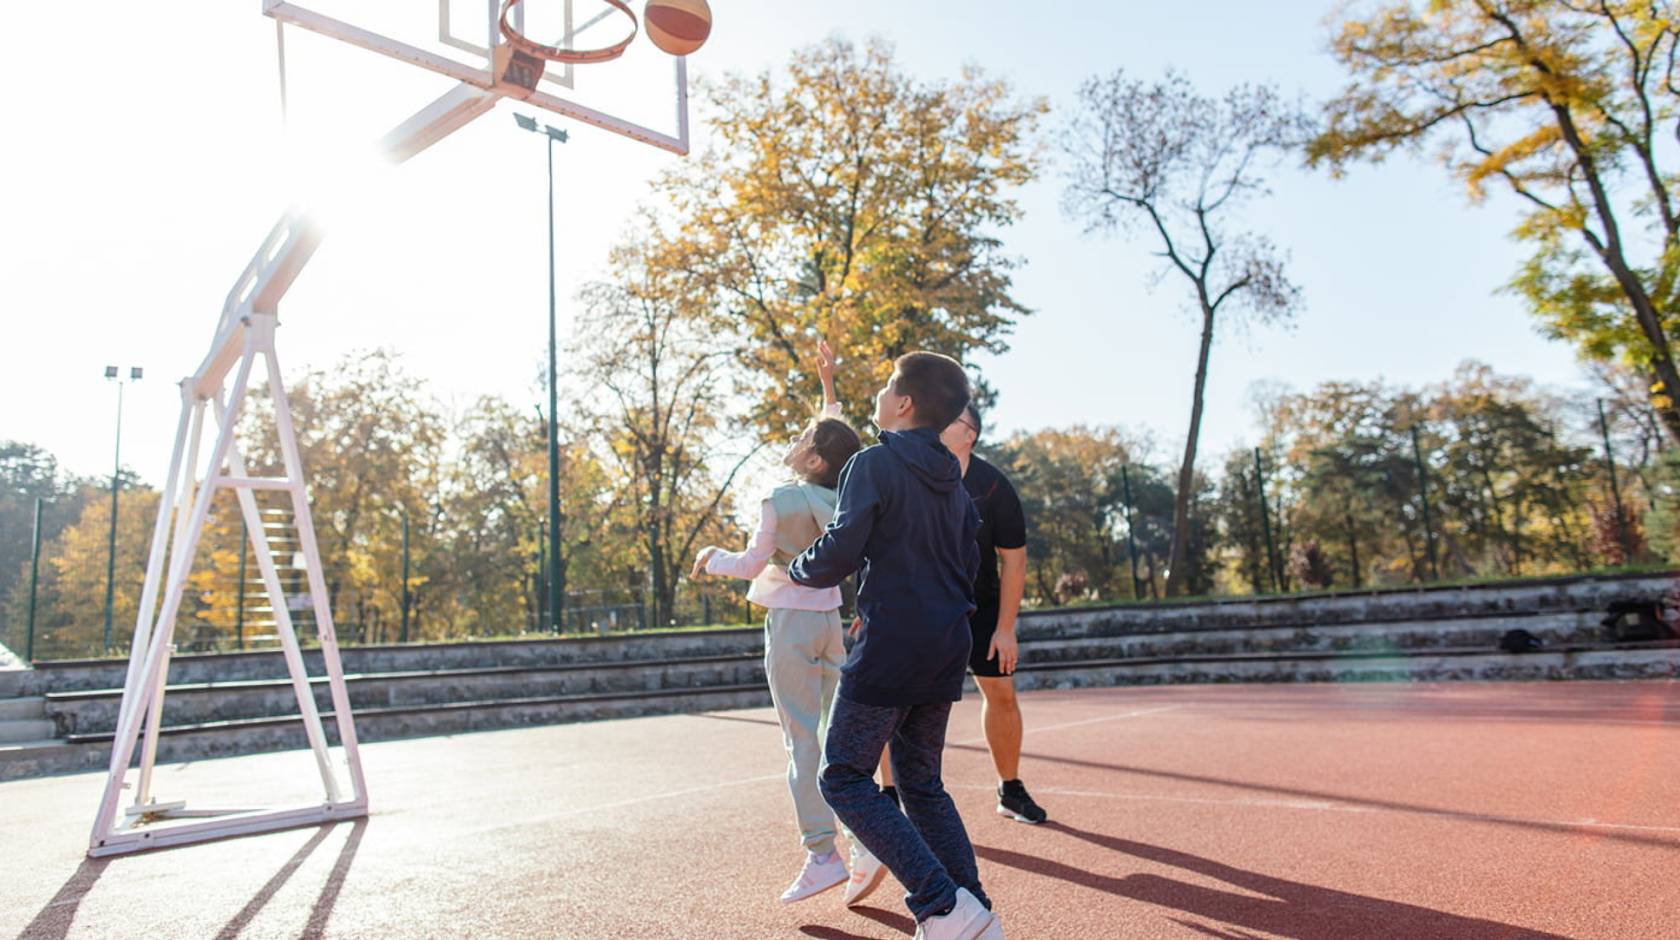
column 1014, row 803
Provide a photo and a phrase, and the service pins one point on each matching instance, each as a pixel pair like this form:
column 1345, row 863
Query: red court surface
column 1523, row 810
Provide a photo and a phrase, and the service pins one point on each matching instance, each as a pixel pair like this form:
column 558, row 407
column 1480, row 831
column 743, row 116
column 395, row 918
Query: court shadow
column 318, row 915
column 328, row 897
column 830, row 933
column 1539, row 825
column 1287, row 909
column 897, row 922
column 54, row 920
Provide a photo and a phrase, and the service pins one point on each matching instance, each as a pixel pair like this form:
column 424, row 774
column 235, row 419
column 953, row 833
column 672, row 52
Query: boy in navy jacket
column 906, row 522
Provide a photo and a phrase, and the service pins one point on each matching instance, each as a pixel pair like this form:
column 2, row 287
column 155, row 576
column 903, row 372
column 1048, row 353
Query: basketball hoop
column 530, row 47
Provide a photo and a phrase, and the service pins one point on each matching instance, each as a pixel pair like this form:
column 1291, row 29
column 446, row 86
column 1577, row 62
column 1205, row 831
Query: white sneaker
column 968, row 920
column 815, row 878
column 867, row 874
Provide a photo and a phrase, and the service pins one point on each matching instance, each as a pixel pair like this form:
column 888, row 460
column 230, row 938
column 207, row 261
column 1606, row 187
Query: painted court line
column 722, row 785
column 1330, row 806
column 1036, row 730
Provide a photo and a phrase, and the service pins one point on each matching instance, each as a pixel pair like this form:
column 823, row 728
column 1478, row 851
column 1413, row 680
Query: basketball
column 678, row 27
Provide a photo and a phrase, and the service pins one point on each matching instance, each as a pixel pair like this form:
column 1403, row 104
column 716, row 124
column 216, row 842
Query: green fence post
column 405, row 578
column 1131, row 539
column 244, row 549
column 1423, row 493
column 542, row 578
column 1615, row 490
column 1265, row 520
column 34, row 570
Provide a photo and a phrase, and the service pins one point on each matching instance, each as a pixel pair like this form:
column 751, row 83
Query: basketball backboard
column 642, row 94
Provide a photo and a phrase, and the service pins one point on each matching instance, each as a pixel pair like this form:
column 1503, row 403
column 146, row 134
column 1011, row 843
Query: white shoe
column 867, row 874
column 815, row 878
column 968, row 920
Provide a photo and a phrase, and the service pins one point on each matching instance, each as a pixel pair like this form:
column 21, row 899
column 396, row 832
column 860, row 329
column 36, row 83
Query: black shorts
column 981, row 625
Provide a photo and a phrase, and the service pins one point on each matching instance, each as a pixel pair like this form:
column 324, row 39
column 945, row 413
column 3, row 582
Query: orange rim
column 525, row 44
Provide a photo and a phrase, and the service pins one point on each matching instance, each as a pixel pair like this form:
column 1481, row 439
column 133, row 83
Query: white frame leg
column 149, row 824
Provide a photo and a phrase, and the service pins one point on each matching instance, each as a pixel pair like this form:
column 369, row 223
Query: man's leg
column 917, row 749
column 1000, row 716
column 856, row 735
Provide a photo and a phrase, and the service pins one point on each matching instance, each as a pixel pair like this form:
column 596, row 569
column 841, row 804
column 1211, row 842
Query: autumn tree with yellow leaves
column 847, row 199
column 1570, row 105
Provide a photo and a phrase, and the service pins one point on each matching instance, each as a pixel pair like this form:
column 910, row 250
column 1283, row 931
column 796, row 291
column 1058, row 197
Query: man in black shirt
column 997, row 597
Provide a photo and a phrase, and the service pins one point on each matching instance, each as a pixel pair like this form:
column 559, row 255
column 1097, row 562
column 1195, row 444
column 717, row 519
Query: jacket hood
column 928, row 460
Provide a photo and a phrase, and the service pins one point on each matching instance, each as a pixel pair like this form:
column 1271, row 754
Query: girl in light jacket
column 803, row 634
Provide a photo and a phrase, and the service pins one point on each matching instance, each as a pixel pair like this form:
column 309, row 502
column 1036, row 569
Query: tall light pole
column 112, row 373
column 556, row 559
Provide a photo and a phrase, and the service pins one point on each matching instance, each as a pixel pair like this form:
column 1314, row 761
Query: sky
column 137, row 185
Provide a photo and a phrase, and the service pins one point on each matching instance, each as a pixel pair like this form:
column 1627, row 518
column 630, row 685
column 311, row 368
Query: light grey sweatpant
column 803, row 652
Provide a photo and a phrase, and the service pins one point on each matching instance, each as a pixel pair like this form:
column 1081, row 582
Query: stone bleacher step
column 17, row 730
column 1563, row 629
column 86, row 752
column 253, row 665
column 1123, row 623
column 1584, row 661
column 369, row 719
column 33, row 758
column 95, row 711
column 22, row 708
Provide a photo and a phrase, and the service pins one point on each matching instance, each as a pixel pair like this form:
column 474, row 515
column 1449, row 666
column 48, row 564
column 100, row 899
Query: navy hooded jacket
column 905, row 520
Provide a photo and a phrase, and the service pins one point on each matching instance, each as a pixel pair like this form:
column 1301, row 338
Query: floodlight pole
column 556, row 557
column 111, row 372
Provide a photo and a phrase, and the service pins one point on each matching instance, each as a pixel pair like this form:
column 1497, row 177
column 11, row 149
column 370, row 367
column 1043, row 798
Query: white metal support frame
column 146, row 823
column 244, row 337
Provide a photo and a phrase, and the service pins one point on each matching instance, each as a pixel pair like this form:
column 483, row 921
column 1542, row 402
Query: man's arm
column 1009, row 532
column 839, row 550
column 1012, row 572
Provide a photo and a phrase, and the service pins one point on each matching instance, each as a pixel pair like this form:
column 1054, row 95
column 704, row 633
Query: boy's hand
column 700, row 560
column 1003, row 649
column 855, row 628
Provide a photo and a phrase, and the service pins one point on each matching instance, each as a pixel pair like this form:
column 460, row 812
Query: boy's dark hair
column 835, row 442
column 936, row 384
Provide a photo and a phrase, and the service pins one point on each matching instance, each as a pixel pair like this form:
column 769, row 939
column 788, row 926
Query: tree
column 1160, row 156
column 1560, row 103
column 28, row 473
column 73, row 569
column 371, row 441
column 852, row 201
column 660, row 406
column 1508, row 489
column 1070, row 488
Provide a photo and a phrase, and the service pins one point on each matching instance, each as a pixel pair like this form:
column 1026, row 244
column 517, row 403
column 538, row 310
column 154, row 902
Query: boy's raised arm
column 839, row 550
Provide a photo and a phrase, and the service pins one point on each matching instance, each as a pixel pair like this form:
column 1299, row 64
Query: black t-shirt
column 1003, row 524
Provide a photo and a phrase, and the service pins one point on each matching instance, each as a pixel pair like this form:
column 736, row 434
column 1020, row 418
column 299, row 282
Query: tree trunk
column 1177, row 561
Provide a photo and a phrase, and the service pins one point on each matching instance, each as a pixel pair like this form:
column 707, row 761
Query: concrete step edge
column 374, row 677
column 373, row 713
column 1321, row 655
